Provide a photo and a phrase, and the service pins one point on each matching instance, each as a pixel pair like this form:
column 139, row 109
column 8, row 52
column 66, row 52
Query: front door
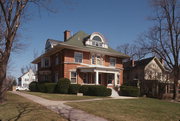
column 110, row 79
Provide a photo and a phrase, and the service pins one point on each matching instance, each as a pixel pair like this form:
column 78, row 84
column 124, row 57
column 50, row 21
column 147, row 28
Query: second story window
column 93, row 59
column 78, row 57
column 112, row 61
column 46, row 62
column 56, row 59
column 98, row 60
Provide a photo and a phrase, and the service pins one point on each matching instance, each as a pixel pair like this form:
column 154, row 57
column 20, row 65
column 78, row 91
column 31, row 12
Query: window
column 73, row 77
column 57, row 60
column 98, row 58
column 78, row 57
column 56, row 77
column 112, row 61
column 46, row 62
column 97, row 38
column 93, row 59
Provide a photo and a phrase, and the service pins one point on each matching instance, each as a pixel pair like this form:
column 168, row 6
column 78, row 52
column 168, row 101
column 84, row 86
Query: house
column 25, row 80
column 83, row 58
column 148, row 74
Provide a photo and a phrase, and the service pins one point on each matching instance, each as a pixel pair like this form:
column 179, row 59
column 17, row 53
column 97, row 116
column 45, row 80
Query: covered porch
column 109, row 77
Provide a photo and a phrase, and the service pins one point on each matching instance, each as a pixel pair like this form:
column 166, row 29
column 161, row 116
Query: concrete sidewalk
column 59, row 107
column 68, row 112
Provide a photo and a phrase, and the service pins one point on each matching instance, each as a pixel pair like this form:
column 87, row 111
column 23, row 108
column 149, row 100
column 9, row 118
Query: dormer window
column 96, row 39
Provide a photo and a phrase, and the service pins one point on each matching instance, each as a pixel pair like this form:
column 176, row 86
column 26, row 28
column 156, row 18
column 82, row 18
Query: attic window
column 97, row 38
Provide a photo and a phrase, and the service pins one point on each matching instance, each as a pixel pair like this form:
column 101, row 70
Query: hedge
column 95, row 90
column 74, row 88
column 63, row 86
column 50, row 87
column 33, row 86
column 129, row 91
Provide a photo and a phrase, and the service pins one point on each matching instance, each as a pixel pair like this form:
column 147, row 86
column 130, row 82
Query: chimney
column 132, row 63
column 67, row 35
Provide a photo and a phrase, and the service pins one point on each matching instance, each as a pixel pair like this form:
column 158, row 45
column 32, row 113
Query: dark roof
column 78, row 41
column 138, row 63
column 79, row 38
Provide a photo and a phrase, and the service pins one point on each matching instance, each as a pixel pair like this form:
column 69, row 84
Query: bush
column 74, row 88
column 108, row 92
column 41, row 87
column 129, row 91
column 84, row 89
column 63, row 86
column 95, row 90
column 33, row 86
column 50, row 87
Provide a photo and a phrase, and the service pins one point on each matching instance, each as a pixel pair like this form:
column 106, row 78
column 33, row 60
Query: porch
column 109, row 77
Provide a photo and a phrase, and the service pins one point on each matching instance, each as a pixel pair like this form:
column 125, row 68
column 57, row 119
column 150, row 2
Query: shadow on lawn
column 23, row 109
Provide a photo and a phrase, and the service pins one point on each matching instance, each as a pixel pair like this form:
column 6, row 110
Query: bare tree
column 132, row 50
column 11, row 13
column 163, row 38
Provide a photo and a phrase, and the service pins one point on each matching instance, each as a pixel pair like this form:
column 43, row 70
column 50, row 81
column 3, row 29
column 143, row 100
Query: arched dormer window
column 98, row 40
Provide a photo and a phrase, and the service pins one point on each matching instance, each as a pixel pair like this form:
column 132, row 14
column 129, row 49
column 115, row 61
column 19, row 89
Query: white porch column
column 97, row 77
column 115, row 79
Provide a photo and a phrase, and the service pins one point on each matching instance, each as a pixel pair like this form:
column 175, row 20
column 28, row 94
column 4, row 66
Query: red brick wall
column 66, row 63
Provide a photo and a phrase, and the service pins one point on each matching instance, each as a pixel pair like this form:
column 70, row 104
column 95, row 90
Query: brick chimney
column 67, row 35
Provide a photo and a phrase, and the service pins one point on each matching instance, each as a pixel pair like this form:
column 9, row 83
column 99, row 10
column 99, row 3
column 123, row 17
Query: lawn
column 142, row 109
column 60, row 97
column 18, row 108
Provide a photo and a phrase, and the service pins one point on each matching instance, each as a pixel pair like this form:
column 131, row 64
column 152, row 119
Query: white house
column 26, row 79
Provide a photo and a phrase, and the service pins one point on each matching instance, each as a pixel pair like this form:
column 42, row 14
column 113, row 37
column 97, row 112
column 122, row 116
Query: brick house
column 82, row 58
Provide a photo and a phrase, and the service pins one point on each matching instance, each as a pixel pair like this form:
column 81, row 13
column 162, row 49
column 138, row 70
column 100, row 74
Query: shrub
column 33, row 86
column 41, row 87
column 95, row 90
column 74, row 88
column 108, row 92
column 63, row 86
column 84, row 89
column 50, row 87
column 129, row 91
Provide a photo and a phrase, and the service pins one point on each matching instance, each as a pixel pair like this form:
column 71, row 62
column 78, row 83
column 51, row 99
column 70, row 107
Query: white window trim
column 94, row 59
column 78, row 53
column 110, row 62
column 76, row 77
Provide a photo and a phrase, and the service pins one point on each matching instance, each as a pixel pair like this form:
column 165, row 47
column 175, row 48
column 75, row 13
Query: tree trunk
column 175, row 86
column 3, row 68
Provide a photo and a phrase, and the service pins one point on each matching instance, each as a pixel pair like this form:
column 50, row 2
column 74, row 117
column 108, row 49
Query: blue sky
column 120, row 21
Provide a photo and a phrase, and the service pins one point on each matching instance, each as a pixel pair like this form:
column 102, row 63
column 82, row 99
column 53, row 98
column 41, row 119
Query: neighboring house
column 82, row 58
column 147, row 73
column 26, row 79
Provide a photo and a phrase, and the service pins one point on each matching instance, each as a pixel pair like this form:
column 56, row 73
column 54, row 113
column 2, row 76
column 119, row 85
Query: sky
column 120, row 21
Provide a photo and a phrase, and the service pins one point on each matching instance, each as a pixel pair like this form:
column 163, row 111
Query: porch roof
column 99, row 69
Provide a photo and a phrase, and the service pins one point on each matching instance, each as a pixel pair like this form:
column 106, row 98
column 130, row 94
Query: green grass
column 142, row 109
column 60, row 97
column 18, row 108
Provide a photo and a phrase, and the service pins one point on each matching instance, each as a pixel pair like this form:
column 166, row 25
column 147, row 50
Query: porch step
column 114, row 93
